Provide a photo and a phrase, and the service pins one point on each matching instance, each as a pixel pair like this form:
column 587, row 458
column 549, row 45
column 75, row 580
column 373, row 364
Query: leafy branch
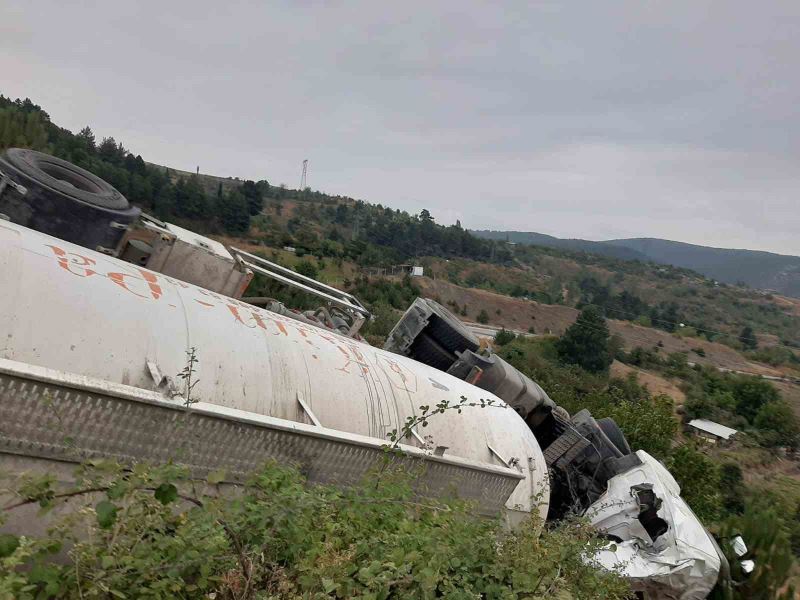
column 408, row 429
column 187, row 374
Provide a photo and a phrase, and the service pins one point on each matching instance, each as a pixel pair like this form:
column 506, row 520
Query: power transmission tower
column 303, row 184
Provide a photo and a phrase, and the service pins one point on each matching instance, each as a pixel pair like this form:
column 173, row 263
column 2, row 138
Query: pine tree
column 86, row 137
column 585, row 342
column 254, row 195
column 234, row 213
column 748, row 338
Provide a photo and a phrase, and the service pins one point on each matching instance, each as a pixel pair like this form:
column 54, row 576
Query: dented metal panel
column 681, row 563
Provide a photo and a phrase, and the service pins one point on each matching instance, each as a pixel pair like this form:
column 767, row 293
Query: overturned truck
column 102, row 304
column 656, row 540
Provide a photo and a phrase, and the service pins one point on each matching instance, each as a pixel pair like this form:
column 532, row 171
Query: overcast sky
column 674, row 119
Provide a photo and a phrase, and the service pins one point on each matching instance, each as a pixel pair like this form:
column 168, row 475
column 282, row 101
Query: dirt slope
column 655, row 383
column 516, row 313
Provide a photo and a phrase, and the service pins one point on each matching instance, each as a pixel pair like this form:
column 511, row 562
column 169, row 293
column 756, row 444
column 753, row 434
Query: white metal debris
column 680, row 564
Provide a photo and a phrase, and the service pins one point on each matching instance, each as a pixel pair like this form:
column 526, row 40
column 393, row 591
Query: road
column 770, row 377
column 490, row 331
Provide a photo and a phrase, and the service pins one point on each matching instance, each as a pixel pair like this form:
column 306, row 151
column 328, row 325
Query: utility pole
column 303, row 184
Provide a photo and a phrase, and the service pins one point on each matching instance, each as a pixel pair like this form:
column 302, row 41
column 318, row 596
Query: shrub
column 307, row 268
column 747, row 338
column 777, row 424
column 732, row 488
column 483, row 317
column 775, row 356
column 751, row 393
column 648, row 423
column 699, row 478
column 503, row 337
column 769, row 546
column 642, row 357
column 687, row 331
column 146, row 534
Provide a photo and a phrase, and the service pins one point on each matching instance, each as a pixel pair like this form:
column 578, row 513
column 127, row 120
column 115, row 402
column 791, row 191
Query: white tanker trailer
column 90, row 346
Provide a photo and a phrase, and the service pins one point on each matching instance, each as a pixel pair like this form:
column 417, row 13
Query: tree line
column 369, row 234
column 155, row 189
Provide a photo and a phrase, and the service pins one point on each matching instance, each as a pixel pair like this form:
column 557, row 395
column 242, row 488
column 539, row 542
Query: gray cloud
column 604, row 119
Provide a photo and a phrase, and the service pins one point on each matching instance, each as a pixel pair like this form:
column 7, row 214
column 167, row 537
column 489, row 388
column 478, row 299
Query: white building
column 711, row 431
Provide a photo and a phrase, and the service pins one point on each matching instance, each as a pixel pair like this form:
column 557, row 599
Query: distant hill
column 540, row 239
column 762, row 270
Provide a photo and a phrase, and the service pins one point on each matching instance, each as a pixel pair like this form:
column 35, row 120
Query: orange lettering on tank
column 152, row 283
column 121, row 281
column 235, row 312
column 255, row 320
column 78, row 261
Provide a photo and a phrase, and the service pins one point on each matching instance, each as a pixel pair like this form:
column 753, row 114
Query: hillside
column 574, row 244
column 763, row 270
column 754, row 268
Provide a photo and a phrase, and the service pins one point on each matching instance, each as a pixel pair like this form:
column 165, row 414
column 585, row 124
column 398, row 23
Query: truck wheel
column 450, row 332
column 64, row 200
column 63, row 178
column 428, row 351
column 614, row 433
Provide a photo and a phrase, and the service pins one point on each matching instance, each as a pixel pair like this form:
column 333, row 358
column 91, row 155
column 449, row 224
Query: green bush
column 769, row 547
column 648, row 423
column 775, row 356
column 699, row 478
column 384, row 318
column 777, row 424
column 307, row 268
column 504, row 337
column 751, row 394
column 483, row 317
column 145, row 533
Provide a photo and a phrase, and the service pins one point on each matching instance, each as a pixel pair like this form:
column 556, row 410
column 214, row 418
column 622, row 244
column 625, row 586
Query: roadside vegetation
column 154, row 532
column 746, row 403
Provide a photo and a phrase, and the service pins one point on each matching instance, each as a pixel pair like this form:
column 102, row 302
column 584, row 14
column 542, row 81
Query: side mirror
column 738, row 545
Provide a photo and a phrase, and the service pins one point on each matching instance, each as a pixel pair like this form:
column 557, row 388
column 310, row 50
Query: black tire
column 64, row 200
column 65, row 179
column 428, row 351
column 614, row 434
column 451, row 333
